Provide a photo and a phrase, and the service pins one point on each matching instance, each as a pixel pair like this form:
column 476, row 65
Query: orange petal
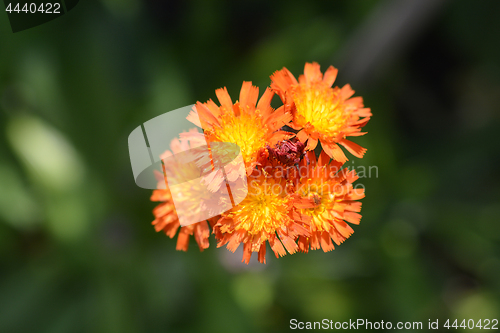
column 311, row 143
column 356, row 194
column 206, row 117
column 302, row 136
column 278, row 136
column 303, row 243
column 343, row 228
column 294, row 126
column 355, row 102
column 247, row 252
column 214, row 180
column 337, row 237
column 171, row 229
column 182, row 240
column 161, row 195
column 159, row 224
column 300, row 230
column 312, row 72
column 311, row 156
column 334, row 167
column 353, row 148
column 264, row 104
column 277, row 247
column 326, row 242
column 213, row 220
column 288, row 242
column 224, row 98
column 335, row 152
column 214, row 109
column 201, row 234
column 248, row 94
column 365, row 112
column 163, row 209
column 353, row 206
column 346, row 92
column 234, row 241
column 330, row 75
column 281, row 82
column 357, row 134
column 352, row 217
column 304, row 203
column 262, row 253
column 323, row 159
column 193, row 117
column 278, row 119
column 314, row 241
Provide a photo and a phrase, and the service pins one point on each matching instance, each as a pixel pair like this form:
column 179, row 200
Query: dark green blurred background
column 77, row 251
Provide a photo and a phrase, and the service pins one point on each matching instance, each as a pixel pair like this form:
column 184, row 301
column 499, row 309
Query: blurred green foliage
column 77, row 251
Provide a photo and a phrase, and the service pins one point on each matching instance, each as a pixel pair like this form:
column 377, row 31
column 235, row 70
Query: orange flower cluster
column 296, row 201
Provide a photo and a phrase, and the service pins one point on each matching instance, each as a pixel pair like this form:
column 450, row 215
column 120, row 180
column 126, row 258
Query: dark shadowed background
column 77, row 251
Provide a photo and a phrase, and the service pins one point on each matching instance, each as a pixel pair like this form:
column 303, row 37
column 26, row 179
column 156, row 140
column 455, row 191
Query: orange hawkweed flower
column 321, row 112
column 267, row 214
column 248, row 124
column 166, row 218
column 330, row 190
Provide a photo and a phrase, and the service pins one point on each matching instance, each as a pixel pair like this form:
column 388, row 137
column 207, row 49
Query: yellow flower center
column 321, row 107
column 264, row 209
column 245, row 130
